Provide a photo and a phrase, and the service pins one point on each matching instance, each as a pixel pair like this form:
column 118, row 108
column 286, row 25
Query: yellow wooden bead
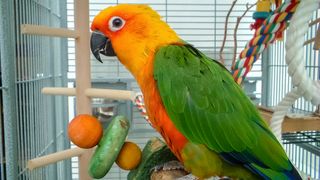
column 129, row 156
column 263, row 6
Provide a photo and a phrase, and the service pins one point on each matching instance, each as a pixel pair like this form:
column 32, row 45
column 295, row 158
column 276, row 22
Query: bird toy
column 275, row 24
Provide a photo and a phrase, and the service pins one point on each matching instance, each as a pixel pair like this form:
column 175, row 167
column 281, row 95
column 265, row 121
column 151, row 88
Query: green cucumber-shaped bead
column 109, row 147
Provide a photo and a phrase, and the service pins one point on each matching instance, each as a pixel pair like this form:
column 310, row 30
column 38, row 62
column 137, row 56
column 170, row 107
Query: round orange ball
column 85, row 131
column 129, row 157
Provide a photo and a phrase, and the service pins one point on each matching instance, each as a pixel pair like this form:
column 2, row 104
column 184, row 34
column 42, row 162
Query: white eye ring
column 116, row 23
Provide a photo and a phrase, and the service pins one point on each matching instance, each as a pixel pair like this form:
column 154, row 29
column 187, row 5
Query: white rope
column 281, row 111
column 295, row 52
column 305, row 87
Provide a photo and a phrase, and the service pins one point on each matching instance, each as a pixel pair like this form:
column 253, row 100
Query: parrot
column 192, row 100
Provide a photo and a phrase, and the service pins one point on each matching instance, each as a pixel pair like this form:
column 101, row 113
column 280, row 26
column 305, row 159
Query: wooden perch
column 317, row 40
column 92, row 92
column 309, row 41
column 293, row 122
column 236, row 30
column 110, row 94
column 225, row 32
column 314, row 22
column 48, row 31
column 55, row 157
column 59, row 91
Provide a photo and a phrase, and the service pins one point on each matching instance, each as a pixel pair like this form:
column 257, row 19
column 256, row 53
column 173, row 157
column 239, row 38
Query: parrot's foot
column 175, row 170
column 168, row 171
column 192, row 177
column 171, row 165
column 188, row 177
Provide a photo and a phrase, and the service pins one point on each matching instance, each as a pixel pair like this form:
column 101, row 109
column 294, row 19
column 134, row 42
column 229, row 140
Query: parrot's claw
column 171, row 165
column 192, row 177
column 188, row 177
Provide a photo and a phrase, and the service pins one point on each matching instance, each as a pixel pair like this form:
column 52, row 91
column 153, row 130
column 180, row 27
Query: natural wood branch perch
column 225, row 32
column 235, row 32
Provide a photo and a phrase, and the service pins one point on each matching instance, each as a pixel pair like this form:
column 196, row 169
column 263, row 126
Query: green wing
column 208, row 107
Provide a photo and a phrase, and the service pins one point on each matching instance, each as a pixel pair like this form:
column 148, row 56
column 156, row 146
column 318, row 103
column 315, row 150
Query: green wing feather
column 209, row 108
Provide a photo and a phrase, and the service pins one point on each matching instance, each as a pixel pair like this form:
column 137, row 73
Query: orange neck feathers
column 157, row 113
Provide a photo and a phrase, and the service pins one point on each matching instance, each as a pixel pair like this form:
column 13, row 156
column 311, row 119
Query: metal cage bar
column 303, row 150
column 9, row 91
column 200, row 23
column 34, row 124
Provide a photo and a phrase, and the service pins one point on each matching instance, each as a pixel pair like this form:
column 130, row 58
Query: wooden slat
column 314, row 22
column 293, row 123
column 301, row 124
column 317, row 40
column 309, row 41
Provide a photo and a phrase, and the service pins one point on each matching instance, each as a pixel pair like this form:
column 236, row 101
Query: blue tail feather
column 270, row 174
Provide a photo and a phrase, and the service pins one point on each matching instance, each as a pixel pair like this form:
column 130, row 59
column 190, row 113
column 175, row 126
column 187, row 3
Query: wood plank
column 317, row 41
column 293, row 122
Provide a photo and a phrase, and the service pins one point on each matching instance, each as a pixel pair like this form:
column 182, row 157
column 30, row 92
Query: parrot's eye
column 116, row 23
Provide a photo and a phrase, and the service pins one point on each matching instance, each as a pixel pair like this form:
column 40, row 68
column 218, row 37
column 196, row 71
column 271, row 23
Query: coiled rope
column 275, row 24
column 304, row 86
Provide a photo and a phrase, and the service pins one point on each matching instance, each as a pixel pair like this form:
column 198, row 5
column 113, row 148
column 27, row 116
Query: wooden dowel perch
column 92, row 92
column 48, row 31
column 54, row 157
column 59, row 91
column 110, row 94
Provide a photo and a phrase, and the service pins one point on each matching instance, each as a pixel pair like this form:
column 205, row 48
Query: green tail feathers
column 275, row 175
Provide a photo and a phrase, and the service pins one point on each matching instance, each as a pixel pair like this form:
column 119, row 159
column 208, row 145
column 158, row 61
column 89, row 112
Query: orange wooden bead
column 85, row 131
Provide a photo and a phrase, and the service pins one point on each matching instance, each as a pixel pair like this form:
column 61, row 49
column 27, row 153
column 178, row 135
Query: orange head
column 131, row 32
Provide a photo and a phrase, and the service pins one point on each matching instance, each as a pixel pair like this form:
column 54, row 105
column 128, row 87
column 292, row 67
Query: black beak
column 99, row 43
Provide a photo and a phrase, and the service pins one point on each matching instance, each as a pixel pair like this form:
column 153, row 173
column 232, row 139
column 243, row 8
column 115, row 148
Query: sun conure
column 192, row 101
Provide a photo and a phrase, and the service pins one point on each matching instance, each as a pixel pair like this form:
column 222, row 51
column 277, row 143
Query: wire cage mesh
column 304, row 151
column 40, row 120
column 2, row 149
column 200, row 23
column 42, row 61
column 302, row 147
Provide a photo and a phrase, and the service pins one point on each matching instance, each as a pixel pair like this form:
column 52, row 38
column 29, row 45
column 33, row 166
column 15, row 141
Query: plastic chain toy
column 274, row 25
column 304, row 86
